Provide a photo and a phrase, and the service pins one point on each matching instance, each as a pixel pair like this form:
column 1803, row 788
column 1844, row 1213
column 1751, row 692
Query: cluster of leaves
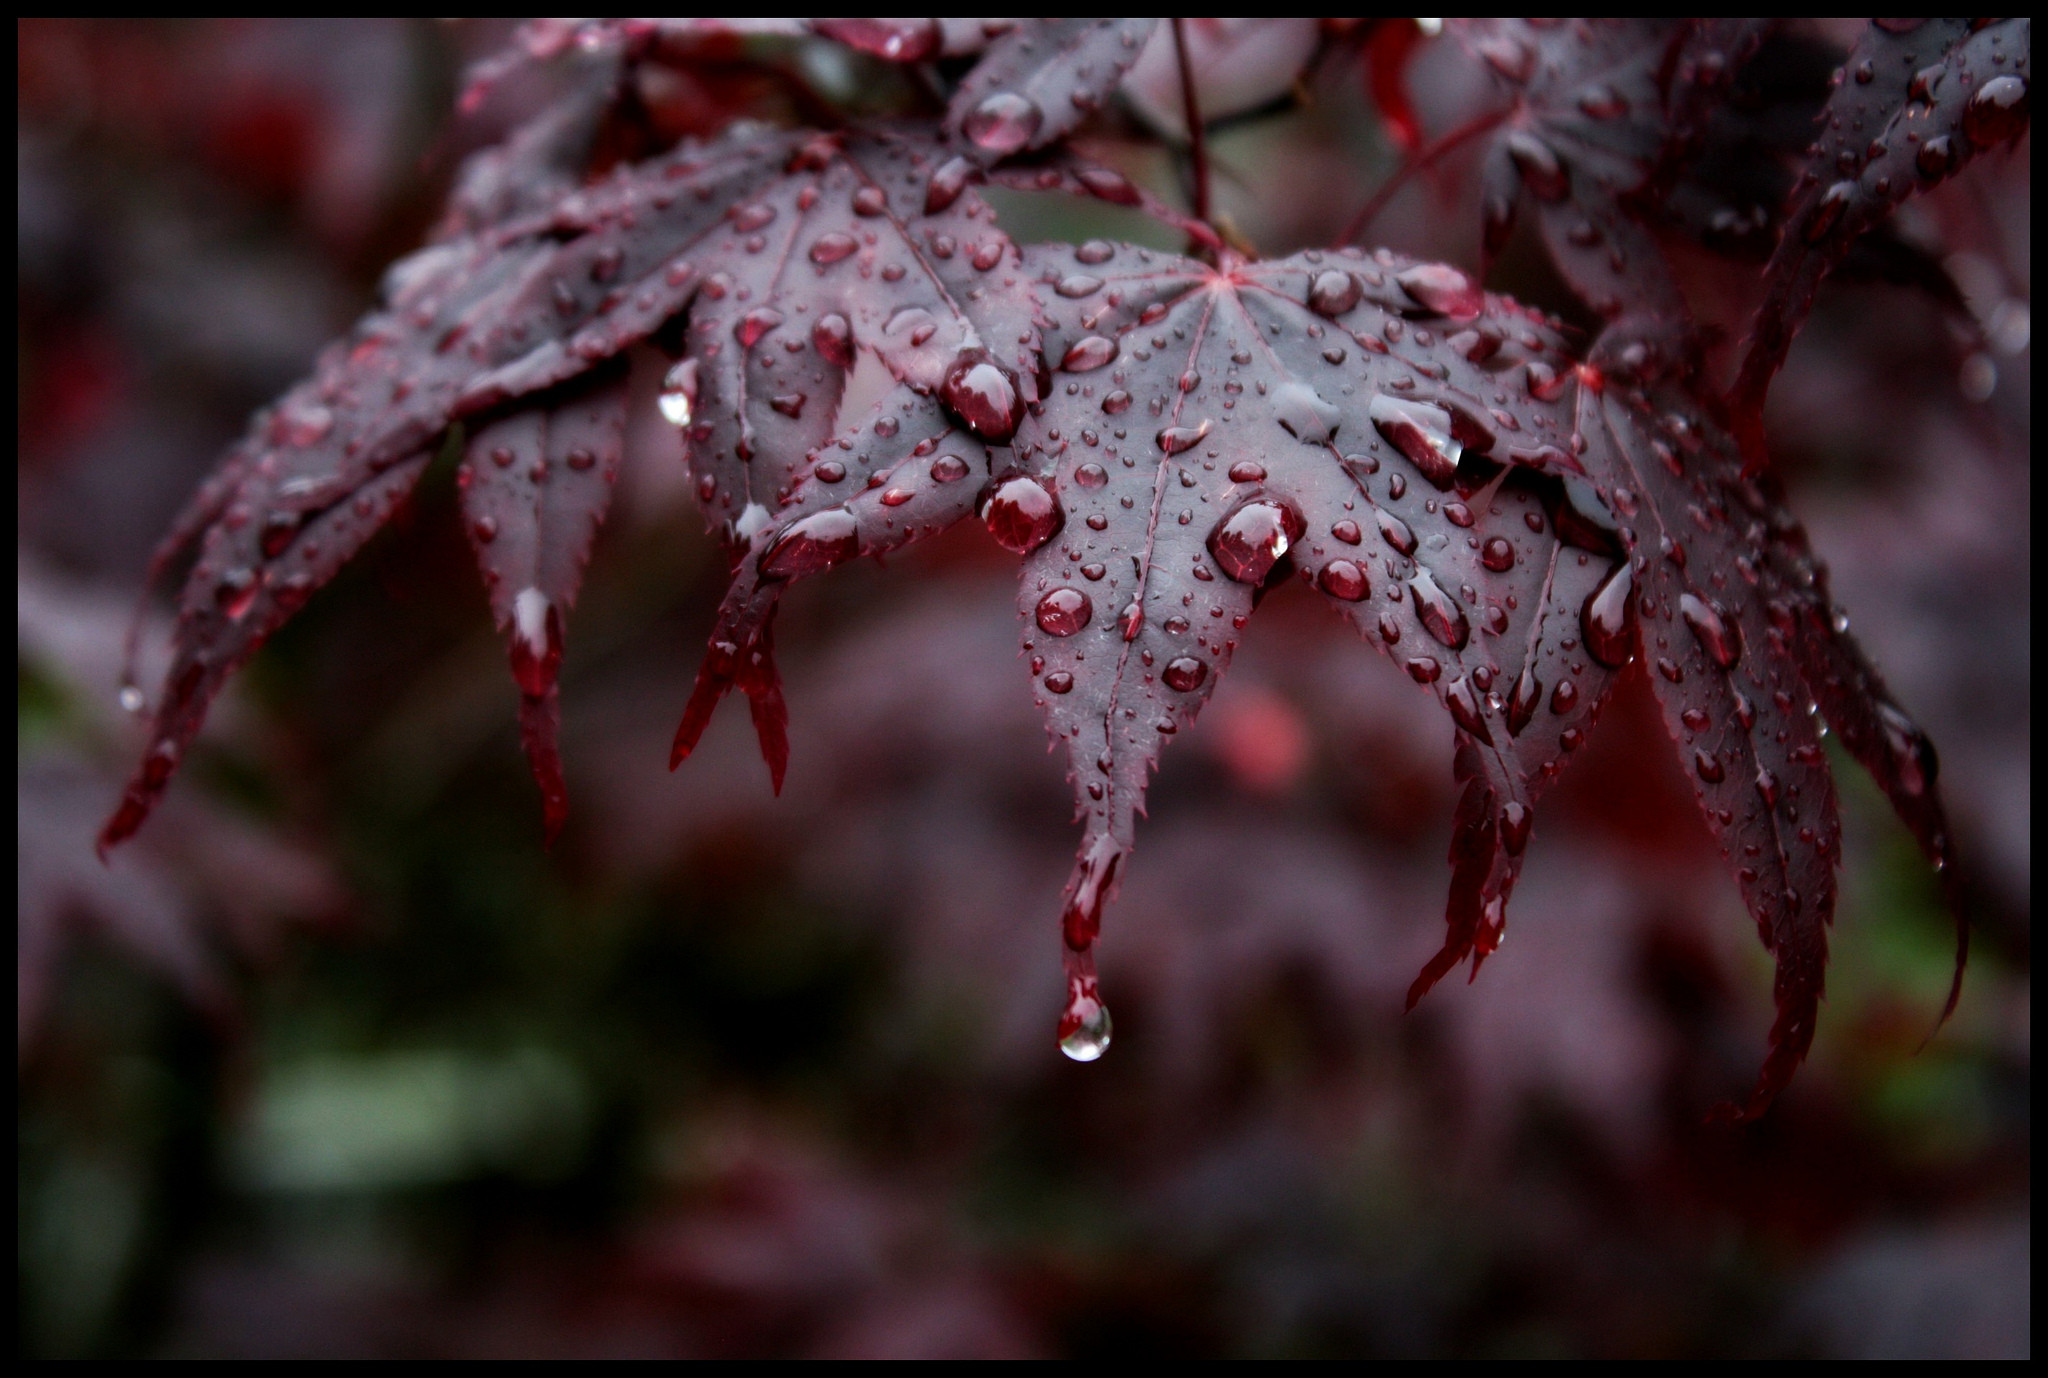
column 860, row 357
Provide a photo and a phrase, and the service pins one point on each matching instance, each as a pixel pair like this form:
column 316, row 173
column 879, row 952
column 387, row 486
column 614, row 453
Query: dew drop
column 1095, row 251
column 1333, row 292
column 1116, row 403
column 1718, row 636
column 1344, row 580
column 1252, row 539
column 789, row 404
column 830, row 471
column 1396, row 532
column 1440, row 613
column 1767, row 786
column 1466, row 711
column 1091, row 476
column 1185, row 674
column 1347, row 532
column 814, row 544
column 948, row 469
column 1935, row 157
column 870, row 202
column 1303, row 413
column 1564, row 698
column 833, row 337
column 831, row 248
column 1516, row 819
column 1523, row 702
column 279, row 529
column 756, row 323
column 1088, row 354
column 1421, row 432
column 1021, row 515
column 1004, row 123
column 1422, row 669
column 1708, row 767
column 1608, row 618
column 1085, row 1028
column 1059, row 682
column 1078, row 285
column 1176, row 439
column 1829, row 210
column 1537, row 161
column 948, row 181
column 983, row 396
column 678, row 399
column 1442, row 290
column 1997, row 112
column 1498, row 554
column 1247, row 471
column 752, row 216
column 1064, row 611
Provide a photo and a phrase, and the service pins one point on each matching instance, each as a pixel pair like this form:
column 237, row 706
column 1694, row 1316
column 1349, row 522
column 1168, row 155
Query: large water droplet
column 1185, row 674
column 1333, row 292
column 1524, row 701
column 947, row 183
column 678, row 399
column 1395, row 532
column 812, row 545
column 1516, row 819
column 1303, row 413
column 830, row 248
column 1252, row 539
column 756, row 323
column 1708, row 767
column 1440, row 613
column 1021, row 514
column 1089, row 353
column 1443, row 290
column 1608, row 619
column 1466, row 710
column 833, row 337
column 278, row 531
column 1498, row 554
column 536, row 641
column 1997, row 112
column 1422, row 433
column 1064, row 611
column 983, row 396
column 1719, row 637
column 1175, row 439
column 1343, row 579
column 1004, row 123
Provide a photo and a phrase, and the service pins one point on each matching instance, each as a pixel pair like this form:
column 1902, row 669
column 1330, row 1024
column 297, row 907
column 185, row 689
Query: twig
column 1371, row 209
column 1191, row 111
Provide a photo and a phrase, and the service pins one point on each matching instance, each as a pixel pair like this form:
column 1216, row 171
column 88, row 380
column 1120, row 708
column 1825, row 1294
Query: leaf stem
column 1191, row 111
column 1371, row 209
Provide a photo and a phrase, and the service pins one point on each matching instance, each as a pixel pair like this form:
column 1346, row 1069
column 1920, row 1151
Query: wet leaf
column 1041, row 81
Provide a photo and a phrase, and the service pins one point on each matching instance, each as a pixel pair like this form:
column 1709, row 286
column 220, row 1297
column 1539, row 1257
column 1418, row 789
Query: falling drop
column 1085, row 1027
column 1498, row 555
column 1252, row 539
column 1021, row 514
column 815, row 543
column 1303, row 413
column 833, row 336
column 1439, row 612
column 1333, row 292
column 1608, row 618
column 983, row 396
column 1088, row 354
column 1004, row 123
column 1421, row 432
column 1064, row 611
column 1719, row 637
column 1997, row 112
column 678, row 399
column 1185, row 674
column 1442, row 290
column 1342, row 579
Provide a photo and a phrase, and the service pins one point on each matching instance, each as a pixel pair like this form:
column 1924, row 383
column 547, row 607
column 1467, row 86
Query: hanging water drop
column 1085, row 1027
column 1303, row 413
column 984, row 396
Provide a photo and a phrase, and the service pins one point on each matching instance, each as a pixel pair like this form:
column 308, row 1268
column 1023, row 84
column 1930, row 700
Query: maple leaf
column 1159, row 438
column 1915, row 101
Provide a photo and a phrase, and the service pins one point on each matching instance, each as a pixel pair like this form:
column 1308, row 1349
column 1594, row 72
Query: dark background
column 337, row 1061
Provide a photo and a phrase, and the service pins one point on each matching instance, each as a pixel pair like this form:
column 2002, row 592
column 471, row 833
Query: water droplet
column 1091, row 476
column 236, row 592
column 1085, row 1028
column 1608, row 618
column 1498, row 554
column 1095, row 251
column 1088, row 354
column 1936, row 157
column 1442, row 290
column 1523, row 702
column 752, row 216
column 1252, row 539
column 1466, row 711
column 1422, row 433
column 1064, row 611
column 1116, row 403
column 1059, row 682
column 1911, row 752
column 678, row 399
column 830, row 248
column 1344, row 580
column 1004, row 123
column 830, row 471
column 1132, row 621
column 1516, row 820
column 1185, row 674
column 1248, row 471
column 947, row 183
column 899, row 40
column 1997, row 112
column 1347, row 532
column 1537, row 161
column 1395, row 532
column 789, row 404
column 1708, row 767
column 896, row 497
column 1719, row 637
column 756, row 323
column 1110, row 186
column 1767, row 786
column 279, row 529
column 870, row 202
column 814, row 544
column 1303, row 413
column 948, row 469
column 983, row 396
column 1078, row 285
column 1603, row 103
column 1422, row 669
column 1021, row 515
column 1829, row 210
column 306, row 424
column 1440, row 613
column 485, row 529
column 833, row 337
column 1333, row 292
column 1175, row 439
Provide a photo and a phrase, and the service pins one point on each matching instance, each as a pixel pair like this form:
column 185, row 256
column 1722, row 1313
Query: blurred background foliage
column 337, row 1061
